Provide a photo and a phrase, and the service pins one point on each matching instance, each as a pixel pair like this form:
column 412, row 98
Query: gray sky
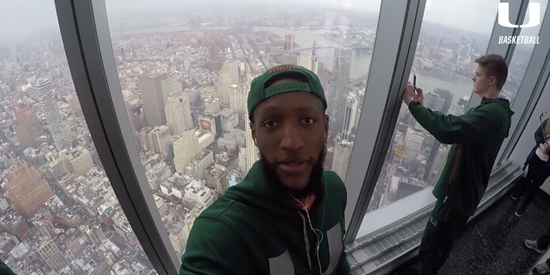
column 21, row 19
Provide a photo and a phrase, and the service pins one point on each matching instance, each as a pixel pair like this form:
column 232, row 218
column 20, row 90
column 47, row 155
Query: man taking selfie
column 287, row 215
column 476, row 137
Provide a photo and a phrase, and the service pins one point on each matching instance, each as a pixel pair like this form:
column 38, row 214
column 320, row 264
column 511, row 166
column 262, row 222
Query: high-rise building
column 154, row 91
column 26, row 125
column 237, row 98
column 213, row 53
column 461, row 106
column 211, row 123
column 229, row 75
column 351, row 116
column 440, row 100
column 186, row 148
column 434, row 101
column 308, row 61
column 342, row 64
column 447, row 97
column 53, row 117
column 178, row 113
column 438, row 163
column 52, row 255
column 341, row 86
column 252, row 153
column 160, row 139
column 229, row 119
column 27, row 189
column 132, row 124
column 289, row 41
column 413, row 144
column 342, row 157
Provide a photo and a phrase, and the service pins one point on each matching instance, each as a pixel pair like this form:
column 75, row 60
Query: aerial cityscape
column 185, row 81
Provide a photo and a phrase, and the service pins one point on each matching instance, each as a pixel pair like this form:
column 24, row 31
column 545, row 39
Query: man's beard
column 313, row 186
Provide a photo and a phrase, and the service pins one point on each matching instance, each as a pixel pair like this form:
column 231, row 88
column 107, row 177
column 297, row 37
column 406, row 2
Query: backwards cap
column 259, row 92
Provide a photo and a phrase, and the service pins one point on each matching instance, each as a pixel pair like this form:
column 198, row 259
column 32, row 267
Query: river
column 360, row 62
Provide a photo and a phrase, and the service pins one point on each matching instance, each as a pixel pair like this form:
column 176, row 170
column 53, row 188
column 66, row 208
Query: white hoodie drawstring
column 318, row 234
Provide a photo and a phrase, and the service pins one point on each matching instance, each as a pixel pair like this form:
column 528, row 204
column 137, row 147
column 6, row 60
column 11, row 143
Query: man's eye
column 269, row 124
column 308, row 120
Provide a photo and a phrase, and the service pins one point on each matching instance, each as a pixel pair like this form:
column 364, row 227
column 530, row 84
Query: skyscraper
column 154, row 91
column 351, row 115
column 52, row 255
column 160, row 139
column 27, row 189
column 53, row 117
column 178, row 113
column 309, row 62
column 342, row 157
column 342, row 64
column 26, row 125
column 340, row 85
column 186, row 147
column 440, row 100
column 229, row 75
column 289, row 41
column 132, row 125
column 447, row 97
column 237, row 98
column 252, row 153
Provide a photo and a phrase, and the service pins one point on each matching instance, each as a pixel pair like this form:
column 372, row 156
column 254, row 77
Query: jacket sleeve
column 211, row 249
column 449, row 129
column 539, row 135
column 5, row 270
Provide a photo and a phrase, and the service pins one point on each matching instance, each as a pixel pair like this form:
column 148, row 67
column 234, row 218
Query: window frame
column 87, row 42
column 387, row 118
column 531, row 88
column 392, row 57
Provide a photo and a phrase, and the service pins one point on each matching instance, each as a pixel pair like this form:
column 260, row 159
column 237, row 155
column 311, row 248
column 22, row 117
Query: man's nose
column 291, row 140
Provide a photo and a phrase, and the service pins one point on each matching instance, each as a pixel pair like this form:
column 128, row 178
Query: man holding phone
column 476, row 137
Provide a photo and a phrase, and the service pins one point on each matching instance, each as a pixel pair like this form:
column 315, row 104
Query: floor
column 493, row 242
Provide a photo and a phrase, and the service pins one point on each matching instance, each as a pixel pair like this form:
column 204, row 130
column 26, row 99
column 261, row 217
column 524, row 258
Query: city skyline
column 185, row 94
column 41, row 23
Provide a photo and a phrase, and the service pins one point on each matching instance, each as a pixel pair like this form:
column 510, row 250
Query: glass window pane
column 185, row 74
column 522, row 54
column 454, row 33
column 58, row 211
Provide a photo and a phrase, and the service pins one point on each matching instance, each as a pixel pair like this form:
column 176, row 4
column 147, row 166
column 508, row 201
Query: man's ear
column 253, row 131
column 493, row 80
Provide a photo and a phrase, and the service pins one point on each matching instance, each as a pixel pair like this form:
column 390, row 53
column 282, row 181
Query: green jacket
column 253, row 229
column 476, row 137
column 5, row 270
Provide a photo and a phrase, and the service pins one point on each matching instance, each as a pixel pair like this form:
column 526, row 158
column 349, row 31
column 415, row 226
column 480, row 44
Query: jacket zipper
column 457, row 157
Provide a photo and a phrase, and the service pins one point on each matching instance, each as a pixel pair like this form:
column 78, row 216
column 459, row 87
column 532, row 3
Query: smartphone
column 414, row 80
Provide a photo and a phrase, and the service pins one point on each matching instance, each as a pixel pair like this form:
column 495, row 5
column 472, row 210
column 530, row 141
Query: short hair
column 496, row 66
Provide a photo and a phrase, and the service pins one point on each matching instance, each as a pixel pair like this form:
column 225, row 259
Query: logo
column 504, row 16
column 504, row 20
column 282, row 68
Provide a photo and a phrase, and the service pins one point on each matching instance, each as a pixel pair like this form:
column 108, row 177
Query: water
column 360, row 62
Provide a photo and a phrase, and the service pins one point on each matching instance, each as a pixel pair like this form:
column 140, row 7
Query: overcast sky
column 21, row 19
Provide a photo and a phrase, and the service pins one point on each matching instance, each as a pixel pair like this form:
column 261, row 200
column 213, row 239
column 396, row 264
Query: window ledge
column 390, row 235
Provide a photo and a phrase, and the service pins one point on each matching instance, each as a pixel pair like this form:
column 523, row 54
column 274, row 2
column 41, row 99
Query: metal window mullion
column 518, row 9
column 394, row 48
column 531, row 87
column 86, row 38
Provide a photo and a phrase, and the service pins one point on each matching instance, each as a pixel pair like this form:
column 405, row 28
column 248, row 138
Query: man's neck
column 491, row 94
